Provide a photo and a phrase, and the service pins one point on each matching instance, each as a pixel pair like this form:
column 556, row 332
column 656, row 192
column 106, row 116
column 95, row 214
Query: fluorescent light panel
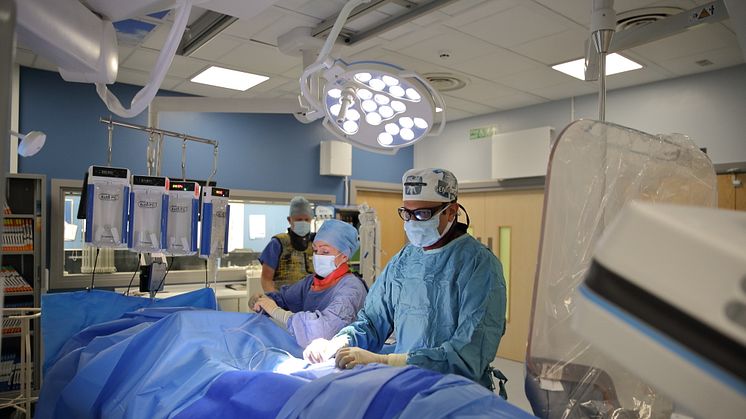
column 229, row 79
column 615, row 64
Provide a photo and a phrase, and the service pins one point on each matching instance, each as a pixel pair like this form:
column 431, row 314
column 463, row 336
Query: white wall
column 709, row 107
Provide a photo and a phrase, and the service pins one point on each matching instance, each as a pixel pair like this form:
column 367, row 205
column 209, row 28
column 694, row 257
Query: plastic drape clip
column 501, row 380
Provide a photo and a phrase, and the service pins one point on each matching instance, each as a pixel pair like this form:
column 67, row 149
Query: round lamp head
column 31, row 143
column 378, row 106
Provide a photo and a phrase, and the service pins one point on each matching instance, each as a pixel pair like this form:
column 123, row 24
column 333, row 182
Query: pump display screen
column 220, row 192
column 149, row 180
column 109, row 172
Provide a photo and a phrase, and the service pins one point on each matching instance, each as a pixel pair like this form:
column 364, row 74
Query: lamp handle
column 17, row 135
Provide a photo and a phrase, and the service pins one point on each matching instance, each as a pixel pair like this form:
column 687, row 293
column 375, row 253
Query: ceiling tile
column 466, row 105
column 518, row 100
column 577, row 11
column 186, row 67
column 247, row 28
column 260, row 58
column 346, row 51
column 284, row 25
column 367, row 21
column 124, row 52
column 720, row 58
column 411, row 38
column 398, row 32
column 215, row 48
column 141, row 59
column 320, row 9
column 454, row 114
column 461, row 47
column 565, row 90
column 24, row 57
column 157, row 37
column 476, row 11
column 515, row 26
column 557, row 48
column 537, row 78
column 294, row 73
column 483, row 92
column 500, row 62
column 636, row 77
column 430, row 18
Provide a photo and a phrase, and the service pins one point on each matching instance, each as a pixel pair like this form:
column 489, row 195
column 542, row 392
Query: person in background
column 287, row 257
column 322, row 303
column 443, row 294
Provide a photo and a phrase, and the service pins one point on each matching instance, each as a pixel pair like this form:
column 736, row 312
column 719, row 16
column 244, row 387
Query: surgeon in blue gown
column 443, row 294
column 322, row 303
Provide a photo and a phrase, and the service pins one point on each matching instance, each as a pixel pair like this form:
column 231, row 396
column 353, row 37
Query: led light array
column 378, row 99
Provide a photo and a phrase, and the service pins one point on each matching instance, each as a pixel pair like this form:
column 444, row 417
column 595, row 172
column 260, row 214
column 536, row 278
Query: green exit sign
column 479, row 133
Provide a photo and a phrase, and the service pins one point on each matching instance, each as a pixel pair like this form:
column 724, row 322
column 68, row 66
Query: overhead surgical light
column 31, row 143
column 373, row 105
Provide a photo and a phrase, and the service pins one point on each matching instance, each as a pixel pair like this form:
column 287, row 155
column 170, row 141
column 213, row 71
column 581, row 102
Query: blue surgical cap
column 340, row 235
column 300, row 206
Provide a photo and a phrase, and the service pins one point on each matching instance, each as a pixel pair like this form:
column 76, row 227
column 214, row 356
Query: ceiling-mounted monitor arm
column 324, row 61
column 603, row 25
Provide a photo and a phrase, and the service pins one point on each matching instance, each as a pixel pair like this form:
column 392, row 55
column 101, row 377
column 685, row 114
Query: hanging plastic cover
column 67, row 313
column 107, row 200
column 594, row 169
column 215, row 222
column 148, row 216
column 183, row 211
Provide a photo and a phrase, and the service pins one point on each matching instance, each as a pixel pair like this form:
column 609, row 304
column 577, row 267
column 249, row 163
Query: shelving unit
column 23, row 254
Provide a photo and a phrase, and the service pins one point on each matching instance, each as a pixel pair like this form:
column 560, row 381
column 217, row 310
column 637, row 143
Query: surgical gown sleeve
column 375, row 321
column 348, row 296
column 480, row 326
column 290, row 297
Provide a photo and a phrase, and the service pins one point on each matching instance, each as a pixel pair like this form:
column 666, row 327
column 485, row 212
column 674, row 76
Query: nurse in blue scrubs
column 321, row 304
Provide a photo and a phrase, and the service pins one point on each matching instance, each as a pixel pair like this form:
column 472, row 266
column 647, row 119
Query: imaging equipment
column 107, row 197
column 183, row 214
column 147, row 215
column 665, row 296
column 215, row 219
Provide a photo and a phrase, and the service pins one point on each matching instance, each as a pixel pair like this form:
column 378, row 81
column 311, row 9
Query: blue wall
column 257, row 151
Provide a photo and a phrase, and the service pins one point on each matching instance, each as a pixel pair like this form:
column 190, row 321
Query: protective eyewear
column 421, row 214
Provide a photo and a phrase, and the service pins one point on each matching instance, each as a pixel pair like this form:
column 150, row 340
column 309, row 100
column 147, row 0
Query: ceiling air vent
column 446, row 82
column 639, row 17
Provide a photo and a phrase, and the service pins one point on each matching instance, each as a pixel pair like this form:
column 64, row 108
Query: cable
column 168, row 268
column 206, row 284
column 93, row 273
column 137, row 268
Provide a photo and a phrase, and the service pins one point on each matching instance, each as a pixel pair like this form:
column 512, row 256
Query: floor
column 515, row 373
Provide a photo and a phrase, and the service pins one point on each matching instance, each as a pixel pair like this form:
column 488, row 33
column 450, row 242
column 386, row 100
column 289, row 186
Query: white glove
column 320, row 350
column 254, row 298
column 350, row 357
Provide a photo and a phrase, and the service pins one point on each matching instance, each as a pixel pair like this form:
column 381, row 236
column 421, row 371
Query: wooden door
column 393, row 237
column 732, row 196
column 519, row 213
column 474, row 205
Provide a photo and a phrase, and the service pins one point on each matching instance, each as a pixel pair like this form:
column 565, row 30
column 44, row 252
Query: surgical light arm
column 84, row 46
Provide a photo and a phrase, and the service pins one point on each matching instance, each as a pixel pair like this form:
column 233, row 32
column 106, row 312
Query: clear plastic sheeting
column 595, row 168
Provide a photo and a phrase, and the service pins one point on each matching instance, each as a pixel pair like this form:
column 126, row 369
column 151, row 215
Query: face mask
column 425, row 233
column 323, row 265
column 301, row 228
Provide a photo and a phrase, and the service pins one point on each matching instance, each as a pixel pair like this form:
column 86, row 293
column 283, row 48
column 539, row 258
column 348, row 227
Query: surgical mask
column 301, row 228
column 425, row 233
column 323, row 265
